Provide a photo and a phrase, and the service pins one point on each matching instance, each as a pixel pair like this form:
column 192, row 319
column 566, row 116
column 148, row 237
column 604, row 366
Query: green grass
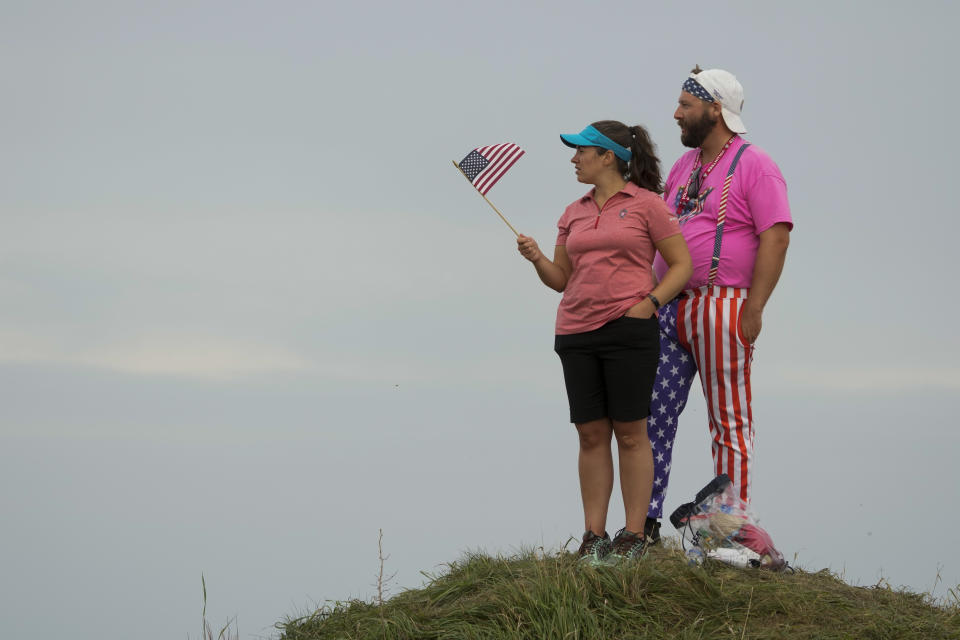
column 546, row 596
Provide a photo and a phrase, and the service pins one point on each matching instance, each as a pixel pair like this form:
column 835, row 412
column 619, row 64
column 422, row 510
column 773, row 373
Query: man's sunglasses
column 694, row 189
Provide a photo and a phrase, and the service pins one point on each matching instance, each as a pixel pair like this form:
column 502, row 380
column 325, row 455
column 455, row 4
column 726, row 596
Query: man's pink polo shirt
column 611, row 252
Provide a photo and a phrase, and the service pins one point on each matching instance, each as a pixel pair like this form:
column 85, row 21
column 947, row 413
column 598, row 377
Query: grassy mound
column 541, row 597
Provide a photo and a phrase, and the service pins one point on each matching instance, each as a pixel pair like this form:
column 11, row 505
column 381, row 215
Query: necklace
column 700, row 176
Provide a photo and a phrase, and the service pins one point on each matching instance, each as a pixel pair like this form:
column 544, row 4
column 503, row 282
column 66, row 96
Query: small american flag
column 485, row 165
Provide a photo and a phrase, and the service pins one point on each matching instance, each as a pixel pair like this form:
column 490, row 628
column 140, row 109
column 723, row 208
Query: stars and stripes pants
column 700, row 333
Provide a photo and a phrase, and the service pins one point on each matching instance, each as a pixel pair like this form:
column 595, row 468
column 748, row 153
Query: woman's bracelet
column 653, row 299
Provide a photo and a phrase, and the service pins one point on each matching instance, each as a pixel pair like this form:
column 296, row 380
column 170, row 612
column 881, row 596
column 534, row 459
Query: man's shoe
column 594, row 548
column 627, row 545
column 651, row 529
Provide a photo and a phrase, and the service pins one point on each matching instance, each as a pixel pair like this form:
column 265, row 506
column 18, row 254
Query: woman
column 607, row 335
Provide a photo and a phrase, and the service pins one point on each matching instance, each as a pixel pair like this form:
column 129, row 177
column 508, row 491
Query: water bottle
column 694, row 556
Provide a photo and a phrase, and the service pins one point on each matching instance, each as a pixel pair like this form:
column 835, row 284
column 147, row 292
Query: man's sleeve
column 767, row 195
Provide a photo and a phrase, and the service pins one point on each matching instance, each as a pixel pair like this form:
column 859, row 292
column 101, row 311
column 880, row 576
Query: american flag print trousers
column 700, row 333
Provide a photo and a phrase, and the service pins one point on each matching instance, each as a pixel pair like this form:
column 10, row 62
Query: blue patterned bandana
column 694, row 88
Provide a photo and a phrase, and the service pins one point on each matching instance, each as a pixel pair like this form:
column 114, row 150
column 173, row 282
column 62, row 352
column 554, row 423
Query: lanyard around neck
column 685, row 198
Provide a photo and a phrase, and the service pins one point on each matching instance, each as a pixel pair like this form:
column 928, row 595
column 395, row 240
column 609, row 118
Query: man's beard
column 696, row 132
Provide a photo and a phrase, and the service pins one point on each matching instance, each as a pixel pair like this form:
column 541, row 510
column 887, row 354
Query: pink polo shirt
column 611, row 252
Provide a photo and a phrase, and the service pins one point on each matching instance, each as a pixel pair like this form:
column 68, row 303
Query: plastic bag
column 721, row 526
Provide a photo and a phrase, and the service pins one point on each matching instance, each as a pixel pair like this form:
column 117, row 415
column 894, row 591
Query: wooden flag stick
column 485, row 198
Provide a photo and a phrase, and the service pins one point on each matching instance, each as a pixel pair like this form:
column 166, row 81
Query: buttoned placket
column 596, row 223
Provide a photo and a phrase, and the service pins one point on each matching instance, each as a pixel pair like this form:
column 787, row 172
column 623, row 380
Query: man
column 731, row 201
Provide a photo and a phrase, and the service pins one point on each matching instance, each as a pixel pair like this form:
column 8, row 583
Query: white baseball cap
column 724, row 88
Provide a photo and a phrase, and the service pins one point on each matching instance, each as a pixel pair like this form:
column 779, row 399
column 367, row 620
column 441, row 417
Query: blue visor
column 590, row 137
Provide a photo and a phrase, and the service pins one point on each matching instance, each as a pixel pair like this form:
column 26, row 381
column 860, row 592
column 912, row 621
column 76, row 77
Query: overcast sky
column 250, row 314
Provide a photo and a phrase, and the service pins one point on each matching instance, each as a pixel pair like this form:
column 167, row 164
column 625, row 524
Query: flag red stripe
column 501, row 157
column 492, row 178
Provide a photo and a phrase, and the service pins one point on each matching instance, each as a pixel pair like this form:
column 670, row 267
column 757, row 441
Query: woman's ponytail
column 644, row 167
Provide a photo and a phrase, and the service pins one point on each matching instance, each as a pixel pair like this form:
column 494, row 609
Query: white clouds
column 202, row 357
column 831, row 378
column 191, row 356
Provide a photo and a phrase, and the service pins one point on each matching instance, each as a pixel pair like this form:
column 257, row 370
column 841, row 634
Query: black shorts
column 609, row 371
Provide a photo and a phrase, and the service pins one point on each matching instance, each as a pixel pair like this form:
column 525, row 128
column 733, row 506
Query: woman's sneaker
column 594, row 548
column 627, row 545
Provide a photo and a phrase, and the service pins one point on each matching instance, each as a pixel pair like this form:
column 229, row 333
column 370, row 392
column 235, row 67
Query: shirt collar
column 630, row 189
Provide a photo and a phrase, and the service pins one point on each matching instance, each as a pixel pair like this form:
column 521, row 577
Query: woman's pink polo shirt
column 611, row 252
